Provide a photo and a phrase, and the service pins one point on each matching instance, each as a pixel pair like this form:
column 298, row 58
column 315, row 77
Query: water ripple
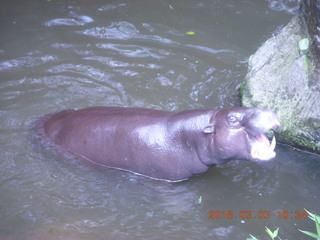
column 117, row 30
column 25, row 62
column 209, row 50
column 109, row 7
column 134, row 50
column 121, row 64
column 122, row 31
column 73, row 20
column 288, row 6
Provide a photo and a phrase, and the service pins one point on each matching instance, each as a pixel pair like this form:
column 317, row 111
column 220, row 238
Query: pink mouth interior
column 262, row 149
column 262, row 138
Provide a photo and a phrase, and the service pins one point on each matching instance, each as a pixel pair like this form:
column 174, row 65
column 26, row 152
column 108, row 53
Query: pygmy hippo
column 159, row 144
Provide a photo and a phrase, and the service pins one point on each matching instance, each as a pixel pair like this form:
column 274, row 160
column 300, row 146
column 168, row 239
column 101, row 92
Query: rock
column 310, row 11
column 282, row 77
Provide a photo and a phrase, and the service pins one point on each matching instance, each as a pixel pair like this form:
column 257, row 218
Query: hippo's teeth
column 273, row 144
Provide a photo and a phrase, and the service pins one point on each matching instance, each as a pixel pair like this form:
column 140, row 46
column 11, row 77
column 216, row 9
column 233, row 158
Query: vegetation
column 274, row 234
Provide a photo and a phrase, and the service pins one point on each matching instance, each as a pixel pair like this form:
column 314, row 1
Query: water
column 56, row 55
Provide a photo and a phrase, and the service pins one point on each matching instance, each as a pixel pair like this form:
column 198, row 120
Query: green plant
column 316, row 219
column 274, row 234
column 271, row 234
column 313, row 217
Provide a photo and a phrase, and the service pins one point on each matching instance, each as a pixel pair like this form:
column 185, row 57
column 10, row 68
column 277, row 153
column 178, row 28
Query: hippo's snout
column 258, row 124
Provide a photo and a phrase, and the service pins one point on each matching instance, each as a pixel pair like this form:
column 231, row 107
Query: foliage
column 190, row 33
column 271, row 234
column 314, row 217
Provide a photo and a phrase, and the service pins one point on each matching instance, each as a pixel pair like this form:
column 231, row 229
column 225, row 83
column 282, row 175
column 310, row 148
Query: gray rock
column 279, row 77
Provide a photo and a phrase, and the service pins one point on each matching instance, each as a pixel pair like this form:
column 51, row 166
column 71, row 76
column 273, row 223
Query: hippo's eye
column 232, row 119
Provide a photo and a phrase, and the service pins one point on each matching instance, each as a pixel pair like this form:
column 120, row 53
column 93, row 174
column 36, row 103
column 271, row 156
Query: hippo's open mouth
column 261, row 148
column 257, row 122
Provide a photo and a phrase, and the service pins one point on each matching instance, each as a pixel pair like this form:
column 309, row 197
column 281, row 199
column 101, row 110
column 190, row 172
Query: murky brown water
column 72, row 54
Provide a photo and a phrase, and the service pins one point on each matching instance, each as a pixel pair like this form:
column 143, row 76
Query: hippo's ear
column 209, row 129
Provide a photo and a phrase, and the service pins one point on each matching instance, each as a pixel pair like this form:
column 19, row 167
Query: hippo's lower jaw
column 262, row 149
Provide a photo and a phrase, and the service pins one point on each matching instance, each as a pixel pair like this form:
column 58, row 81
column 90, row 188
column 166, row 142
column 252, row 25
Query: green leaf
column 310, row 215
column 190, row 33
column 304, row 44
column 310, row 234
column 272, row 234
column 252, row 238
column 317, row 221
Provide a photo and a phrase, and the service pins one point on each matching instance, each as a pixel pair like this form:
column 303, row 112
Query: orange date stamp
column 280, row 214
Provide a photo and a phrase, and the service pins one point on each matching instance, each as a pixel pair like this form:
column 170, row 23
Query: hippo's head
column 239, row 133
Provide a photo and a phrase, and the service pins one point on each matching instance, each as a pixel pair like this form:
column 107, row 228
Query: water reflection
column 288, row 6
column 26, row 62
column 74, row 20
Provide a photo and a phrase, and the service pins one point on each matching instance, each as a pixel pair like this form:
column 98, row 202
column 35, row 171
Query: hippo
column 164, row 145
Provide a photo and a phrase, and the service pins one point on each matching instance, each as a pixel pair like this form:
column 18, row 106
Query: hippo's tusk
column 273, row 144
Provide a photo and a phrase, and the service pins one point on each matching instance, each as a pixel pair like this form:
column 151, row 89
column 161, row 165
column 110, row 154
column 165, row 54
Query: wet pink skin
column 159, row 144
